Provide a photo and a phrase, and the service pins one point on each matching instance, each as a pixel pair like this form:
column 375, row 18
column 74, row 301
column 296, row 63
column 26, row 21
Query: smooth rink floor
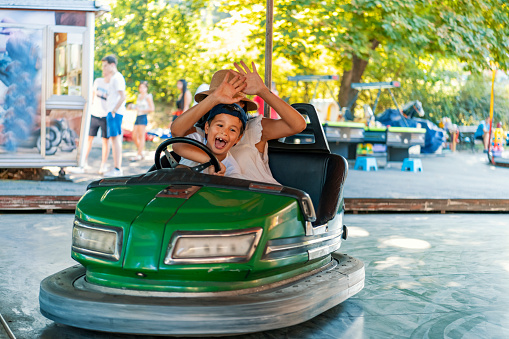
column 427, row 276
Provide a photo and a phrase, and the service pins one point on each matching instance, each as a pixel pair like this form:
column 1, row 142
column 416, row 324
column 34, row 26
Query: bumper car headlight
column 97, row 240
column 212, row 247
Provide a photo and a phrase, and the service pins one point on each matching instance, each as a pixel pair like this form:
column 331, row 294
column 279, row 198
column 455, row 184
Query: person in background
column 98, row 120
column 260, row 102
column 201, row 88
column 483, row 132
column 115, row 104
column 184, row 98
column 144, row 105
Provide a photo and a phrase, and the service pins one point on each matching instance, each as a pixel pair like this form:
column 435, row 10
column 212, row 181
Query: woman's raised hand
column 253, row 80
column 229, row 90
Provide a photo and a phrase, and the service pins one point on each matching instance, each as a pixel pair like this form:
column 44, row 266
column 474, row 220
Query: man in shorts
column 98, row 111
column 115, row 104
column 98, row 120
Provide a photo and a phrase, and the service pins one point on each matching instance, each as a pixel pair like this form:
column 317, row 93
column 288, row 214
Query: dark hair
column 111, row 59
column 202, row 126
column 184, row 86
column 230, row 109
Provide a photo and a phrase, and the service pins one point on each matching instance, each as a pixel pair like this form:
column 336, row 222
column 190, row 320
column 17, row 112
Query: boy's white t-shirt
column 232, row 167
column 99, row 108
column 116, row 84
column 253, row 164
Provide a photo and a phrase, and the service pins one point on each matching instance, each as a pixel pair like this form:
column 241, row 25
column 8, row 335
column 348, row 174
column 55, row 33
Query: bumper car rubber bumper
column 67, row 298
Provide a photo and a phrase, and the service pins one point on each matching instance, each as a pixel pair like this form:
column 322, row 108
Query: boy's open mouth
column 220, row 143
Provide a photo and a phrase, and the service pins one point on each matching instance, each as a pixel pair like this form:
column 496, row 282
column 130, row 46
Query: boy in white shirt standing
column 116, row 108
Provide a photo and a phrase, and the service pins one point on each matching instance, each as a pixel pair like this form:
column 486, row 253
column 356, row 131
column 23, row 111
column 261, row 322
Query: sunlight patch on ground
column 405, row 243
column 55, row 231
column 505, row 265
column 421, row 218
column 407, row 285
column 405, row 263
column 357, row 232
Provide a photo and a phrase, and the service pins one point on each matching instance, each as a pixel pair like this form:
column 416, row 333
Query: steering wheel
column 163, row 147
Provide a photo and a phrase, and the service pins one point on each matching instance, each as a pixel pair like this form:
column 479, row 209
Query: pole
column 268, row 51
column 397, row 106
column 491, row 158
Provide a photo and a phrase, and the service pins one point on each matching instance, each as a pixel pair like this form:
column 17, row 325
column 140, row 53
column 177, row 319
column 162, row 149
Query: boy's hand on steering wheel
column 228, row 91
column 253, row 80
column 220, row 173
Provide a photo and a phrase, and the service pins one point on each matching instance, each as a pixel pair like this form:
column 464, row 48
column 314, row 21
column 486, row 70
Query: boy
column 115, row 103
column 224, row 126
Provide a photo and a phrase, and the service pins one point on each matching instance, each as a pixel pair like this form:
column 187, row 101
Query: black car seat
column 311, row 168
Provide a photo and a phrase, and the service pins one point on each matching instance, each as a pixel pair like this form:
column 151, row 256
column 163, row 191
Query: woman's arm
column 186, row 120
column 187, row 101
column 291, row 122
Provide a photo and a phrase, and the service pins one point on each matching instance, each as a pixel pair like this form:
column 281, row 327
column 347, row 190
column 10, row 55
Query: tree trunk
column 346, row 93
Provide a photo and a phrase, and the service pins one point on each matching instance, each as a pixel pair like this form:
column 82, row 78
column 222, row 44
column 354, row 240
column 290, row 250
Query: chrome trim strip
column 307, row 208
column 321, row 229
column 309, row 228
column 6, row 327
column 281, row 248
column 112, row 229
column 83, row 285
column 169, row 258
column 324, row 250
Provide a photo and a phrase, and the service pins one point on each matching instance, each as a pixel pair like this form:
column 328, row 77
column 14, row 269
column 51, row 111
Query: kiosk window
column 68, row 63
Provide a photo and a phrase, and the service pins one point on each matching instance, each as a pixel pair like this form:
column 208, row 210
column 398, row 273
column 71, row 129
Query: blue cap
column 231, row 109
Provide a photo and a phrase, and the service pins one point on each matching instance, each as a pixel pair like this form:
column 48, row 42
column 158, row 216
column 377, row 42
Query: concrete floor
column 427, row 276
column 460, row 175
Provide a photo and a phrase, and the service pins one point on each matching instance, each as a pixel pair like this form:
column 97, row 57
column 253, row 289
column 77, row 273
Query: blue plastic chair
column 412, row 165
column 366, row 164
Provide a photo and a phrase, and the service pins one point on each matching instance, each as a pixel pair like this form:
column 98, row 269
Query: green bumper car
column 178, row 252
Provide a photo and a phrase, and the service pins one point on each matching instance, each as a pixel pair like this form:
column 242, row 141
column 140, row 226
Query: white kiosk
column 46, row 77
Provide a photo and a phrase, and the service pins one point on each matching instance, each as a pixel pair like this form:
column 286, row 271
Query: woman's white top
column 142, row 104
column 253, row 164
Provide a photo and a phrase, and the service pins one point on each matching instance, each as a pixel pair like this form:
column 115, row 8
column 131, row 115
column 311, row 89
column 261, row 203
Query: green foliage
column 470, row 103
column 427, row 45
column 409, row 33
column 153, row 41
column 470, row 31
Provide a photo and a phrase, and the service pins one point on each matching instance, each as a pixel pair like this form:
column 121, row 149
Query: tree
column 153, row 40
column 355, row 31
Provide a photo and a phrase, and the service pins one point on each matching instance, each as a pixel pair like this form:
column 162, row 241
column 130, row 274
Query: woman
column 184, row 99
column 144, row 105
